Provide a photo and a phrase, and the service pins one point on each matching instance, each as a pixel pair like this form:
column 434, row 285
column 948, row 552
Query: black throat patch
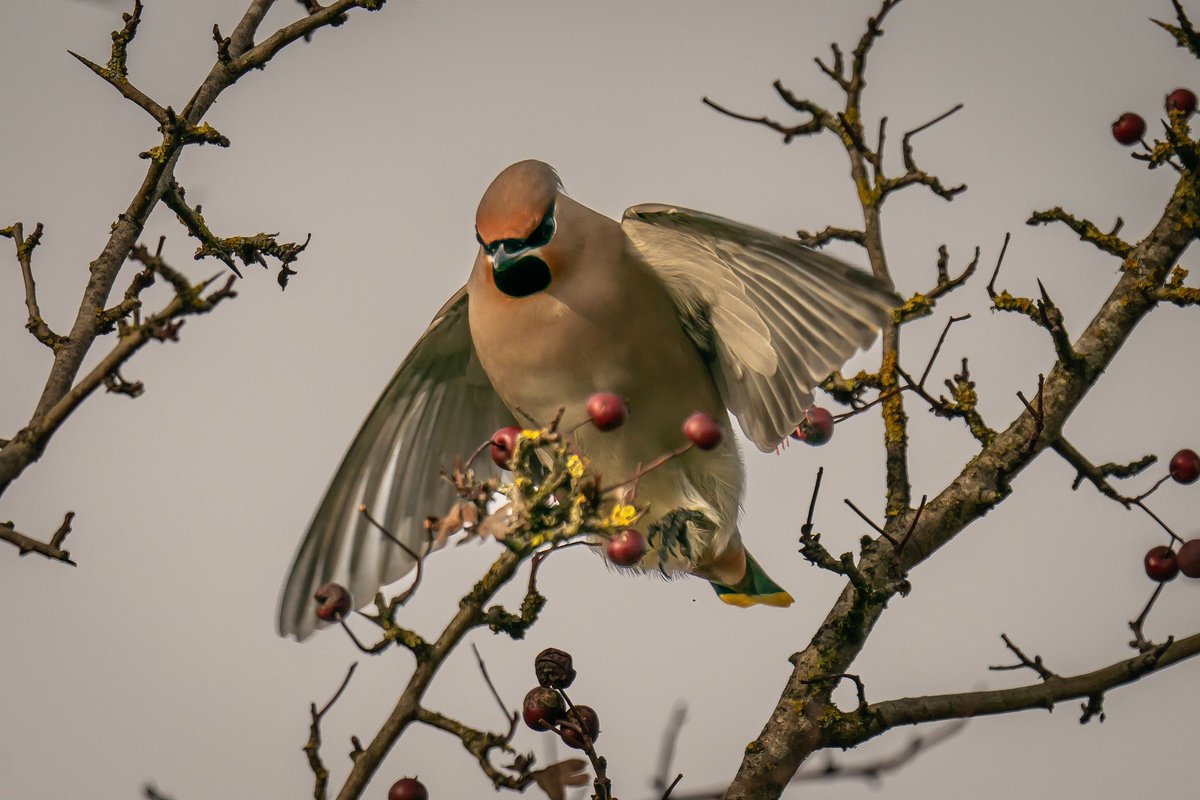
column 523, row 277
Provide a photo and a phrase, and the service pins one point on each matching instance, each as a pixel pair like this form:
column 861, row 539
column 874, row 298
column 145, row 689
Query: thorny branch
column 25, row 247
column 1184, row 33
column 804, row 719
column 248, row 249
column 51, row 549
column 237, row 55
column 1087, row 230
column 858, row 726
column 539, row 522
column 1024, row 662
column 913, row 534
column 1098, row 475
column 870, row 770
column 922, row 304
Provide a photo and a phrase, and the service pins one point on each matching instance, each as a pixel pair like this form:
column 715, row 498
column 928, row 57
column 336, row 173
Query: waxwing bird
column 675, row 310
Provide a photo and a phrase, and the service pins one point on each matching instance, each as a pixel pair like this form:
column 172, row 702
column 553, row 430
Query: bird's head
column 515, row 221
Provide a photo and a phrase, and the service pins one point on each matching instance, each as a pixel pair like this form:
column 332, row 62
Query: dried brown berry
column 553, row 668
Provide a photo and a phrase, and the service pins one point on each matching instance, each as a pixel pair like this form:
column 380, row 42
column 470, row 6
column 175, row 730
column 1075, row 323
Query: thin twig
column 938, row 347
column 991, row 287
column 1025, row 662
column 25, row 247
column 312, row 748
column 511, row 717
column 1140, row 642
column 869, row 521
column 666, row 751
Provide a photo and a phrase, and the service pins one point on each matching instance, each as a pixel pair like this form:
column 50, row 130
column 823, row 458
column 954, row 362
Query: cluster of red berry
column 545, row 707
column 607, row 411
column 1130, row 127
column 1162, row 562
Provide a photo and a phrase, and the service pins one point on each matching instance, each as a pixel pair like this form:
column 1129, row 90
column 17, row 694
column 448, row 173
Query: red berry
column 816, row 428
column 504, row 441
column 1181, row 100
column 587, row 719
column 1161, row 563
column 1185, row 466
column 1189, row 558
column 408, row 789
column 542, row 708
column 626, row 548
column 1129, row 128
column 607, row 410
column 703, row 431
column 333, row 602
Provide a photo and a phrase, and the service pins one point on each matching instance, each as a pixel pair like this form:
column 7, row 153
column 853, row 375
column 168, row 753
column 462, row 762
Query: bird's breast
column 600, row 326
column 607, row 324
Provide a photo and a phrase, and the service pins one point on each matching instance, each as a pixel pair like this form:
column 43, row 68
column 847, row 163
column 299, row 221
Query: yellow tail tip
column 776, row 599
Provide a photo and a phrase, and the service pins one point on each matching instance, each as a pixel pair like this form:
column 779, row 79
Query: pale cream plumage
column 675, row 310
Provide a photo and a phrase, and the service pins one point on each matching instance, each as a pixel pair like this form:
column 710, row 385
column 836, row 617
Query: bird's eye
column 490, row 249
column 544, row 231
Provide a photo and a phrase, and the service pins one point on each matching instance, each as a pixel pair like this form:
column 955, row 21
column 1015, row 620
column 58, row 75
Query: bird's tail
column 753, row 589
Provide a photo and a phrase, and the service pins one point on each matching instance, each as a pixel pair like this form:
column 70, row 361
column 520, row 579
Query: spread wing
column 772, row 316
column 439, row 404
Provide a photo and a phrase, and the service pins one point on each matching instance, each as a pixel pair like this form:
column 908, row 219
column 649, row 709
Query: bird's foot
column 672, row 538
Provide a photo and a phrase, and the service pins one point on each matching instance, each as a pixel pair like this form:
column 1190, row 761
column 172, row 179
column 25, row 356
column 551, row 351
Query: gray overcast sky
column 156, row 658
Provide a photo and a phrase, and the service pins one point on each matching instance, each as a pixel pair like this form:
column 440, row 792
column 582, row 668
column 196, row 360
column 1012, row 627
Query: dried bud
column 553, row 669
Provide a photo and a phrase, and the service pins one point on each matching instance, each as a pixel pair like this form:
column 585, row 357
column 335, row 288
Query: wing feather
column 439, row 404
column 773, row 317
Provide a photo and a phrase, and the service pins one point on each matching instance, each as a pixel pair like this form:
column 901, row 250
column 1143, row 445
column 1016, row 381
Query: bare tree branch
column 51, row 549
column 62, row 392
column 856, row 727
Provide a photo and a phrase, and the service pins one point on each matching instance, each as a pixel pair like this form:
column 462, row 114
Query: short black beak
column 502, row 259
